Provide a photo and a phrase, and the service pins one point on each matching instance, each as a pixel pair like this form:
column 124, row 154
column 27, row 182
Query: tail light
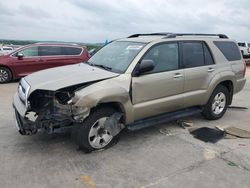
column 245, row 67
column 248, row 50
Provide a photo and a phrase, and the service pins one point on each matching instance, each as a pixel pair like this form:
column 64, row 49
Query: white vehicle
column 244, row 48
column 5, row 50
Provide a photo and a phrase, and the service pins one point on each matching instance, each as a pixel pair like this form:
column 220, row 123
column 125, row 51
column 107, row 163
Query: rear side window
column 207, row 55
column 192, row 54
column 248, row 44
column 229, row 49
column 50, row 50
column 71, row 51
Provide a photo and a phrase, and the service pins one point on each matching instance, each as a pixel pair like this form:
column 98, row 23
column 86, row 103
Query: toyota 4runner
column 133, row 83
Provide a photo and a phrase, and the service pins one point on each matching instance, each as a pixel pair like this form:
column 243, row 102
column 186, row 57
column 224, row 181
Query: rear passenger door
column 199, row 70
column 160, row 90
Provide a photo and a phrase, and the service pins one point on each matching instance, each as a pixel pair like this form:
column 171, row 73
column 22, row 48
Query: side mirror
column 20, row 56
column 145, row 65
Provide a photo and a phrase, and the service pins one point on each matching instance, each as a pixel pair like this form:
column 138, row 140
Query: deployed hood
column 65, row 76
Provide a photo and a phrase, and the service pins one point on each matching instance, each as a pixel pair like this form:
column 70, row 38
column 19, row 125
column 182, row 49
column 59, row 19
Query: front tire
column 92, row 134
column 5, row 75
column 217, row 103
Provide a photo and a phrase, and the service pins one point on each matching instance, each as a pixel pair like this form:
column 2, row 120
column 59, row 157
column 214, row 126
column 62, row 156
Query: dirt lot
column 145, row 158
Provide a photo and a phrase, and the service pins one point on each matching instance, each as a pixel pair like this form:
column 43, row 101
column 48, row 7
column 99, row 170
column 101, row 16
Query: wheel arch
column 11, row 71
column 228, row 83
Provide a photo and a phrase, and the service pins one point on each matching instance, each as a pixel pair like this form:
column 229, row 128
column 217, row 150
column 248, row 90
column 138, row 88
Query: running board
column 163, row 118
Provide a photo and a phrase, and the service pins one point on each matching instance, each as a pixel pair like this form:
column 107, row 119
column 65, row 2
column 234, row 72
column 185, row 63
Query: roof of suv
column 146, row 38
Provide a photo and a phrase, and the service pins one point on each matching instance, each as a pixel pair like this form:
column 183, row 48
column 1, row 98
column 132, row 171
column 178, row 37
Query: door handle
column 178, row 75
column 210, row 70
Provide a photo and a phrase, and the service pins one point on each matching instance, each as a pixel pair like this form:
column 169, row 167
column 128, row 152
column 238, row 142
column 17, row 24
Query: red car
column 39, row 56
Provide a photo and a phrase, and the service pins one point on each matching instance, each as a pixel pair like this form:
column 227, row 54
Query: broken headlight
column 23, row 91
column 64, row 97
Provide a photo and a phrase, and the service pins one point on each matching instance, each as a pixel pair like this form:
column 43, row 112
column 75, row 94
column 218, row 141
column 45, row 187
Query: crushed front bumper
column 23, row 124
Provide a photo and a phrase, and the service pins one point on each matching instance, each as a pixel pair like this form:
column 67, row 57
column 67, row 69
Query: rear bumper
column 239, row 85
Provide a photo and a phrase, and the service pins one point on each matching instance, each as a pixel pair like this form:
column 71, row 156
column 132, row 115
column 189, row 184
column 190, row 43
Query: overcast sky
column 98, row 20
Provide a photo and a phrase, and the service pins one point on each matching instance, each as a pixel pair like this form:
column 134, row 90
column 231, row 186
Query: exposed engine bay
column 53, row 111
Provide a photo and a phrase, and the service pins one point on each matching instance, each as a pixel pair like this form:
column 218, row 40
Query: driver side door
column 30, row 62
column 160, row 90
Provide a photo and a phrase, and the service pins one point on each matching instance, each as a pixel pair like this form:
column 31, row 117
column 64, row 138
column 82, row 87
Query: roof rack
column 174, row 35
column 149, row 34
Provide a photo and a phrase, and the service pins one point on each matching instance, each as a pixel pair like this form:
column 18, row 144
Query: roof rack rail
column 174, row 35
column 149, row 34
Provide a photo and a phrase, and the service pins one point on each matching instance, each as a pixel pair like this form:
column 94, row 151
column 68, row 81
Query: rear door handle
column 178, row 75
column 210, row 70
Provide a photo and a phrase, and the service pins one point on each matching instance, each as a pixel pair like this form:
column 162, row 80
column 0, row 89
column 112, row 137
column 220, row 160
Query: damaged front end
column 52, row 111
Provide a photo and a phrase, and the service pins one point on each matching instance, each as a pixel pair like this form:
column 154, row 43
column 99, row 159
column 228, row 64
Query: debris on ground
column 219, row 128
column 208, row 134
column 238, row 107
column 230, row 163
column 166, row 132
column 184, row 123
column 242, row 144
column 229, row 136
column 237, row 132
column 88, row 182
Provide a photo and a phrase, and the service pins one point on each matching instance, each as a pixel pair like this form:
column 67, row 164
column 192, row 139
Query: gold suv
column 133, row 83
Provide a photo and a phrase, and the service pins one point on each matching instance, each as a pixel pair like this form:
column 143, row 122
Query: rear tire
column 217, row 103
column 5, row 75
column 91, row 133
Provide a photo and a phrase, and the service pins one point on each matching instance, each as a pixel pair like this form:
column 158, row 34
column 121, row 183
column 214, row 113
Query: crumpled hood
column 65, row 76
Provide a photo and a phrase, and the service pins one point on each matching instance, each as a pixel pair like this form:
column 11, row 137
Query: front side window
column 29, row 52
column 165, row 57
column 116, row 56
column 192, row 54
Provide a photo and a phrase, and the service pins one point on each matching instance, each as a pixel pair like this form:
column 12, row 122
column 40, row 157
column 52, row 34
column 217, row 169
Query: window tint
column 4, row 48
column 71, row 51
column 208, row 56
column 229, row 49
column 192, row 53
column 241, row 44
column 29, row 52
column 248, row 44
column 49, row 50
column 165, row 57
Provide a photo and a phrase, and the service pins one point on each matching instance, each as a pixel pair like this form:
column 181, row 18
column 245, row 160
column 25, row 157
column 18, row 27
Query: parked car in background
column 5, row 50
column 244, row 48
column 39, row 56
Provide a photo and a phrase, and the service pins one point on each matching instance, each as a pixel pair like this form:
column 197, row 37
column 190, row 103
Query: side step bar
column 163, row 118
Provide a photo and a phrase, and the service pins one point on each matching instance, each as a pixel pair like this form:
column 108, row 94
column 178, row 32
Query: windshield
column 116, row 56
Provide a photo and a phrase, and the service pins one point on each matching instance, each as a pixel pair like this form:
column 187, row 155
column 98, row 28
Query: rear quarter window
column 229, row 49
column 71, row 51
